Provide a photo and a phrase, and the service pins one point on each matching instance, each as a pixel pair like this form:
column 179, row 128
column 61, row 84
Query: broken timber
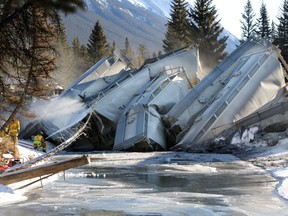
column 47, row 169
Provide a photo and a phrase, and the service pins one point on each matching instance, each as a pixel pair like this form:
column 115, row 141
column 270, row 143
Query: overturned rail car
column 140, row 127
column 106, row 96
column 169, row 97
column 249, row 78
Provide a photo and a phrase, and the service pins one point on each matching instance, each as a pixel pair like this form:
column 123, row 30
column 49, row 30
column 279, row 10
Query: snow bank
column 283, row 189
column 274, row 159
column 282, row 175
column 9, row 195
column 245, row 137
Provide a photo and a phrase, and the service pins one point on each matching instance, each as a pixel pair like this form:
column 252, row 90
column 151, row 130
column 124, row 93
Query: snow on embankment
column 274, row 158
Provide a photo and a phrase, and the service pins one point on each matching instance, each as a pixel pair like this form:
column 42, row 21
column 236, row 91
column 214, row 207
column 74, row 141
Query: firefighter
column 13, row 130
column 39, row 142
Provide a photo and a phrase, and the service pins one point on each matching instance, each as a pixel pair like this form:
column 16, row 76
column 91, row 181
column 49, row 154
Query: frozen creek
column 157, row 183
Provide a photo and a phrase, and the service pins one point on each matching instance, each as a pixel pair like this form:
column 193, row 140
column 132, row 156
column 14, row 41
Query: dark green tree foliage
column 76, row 46
column 27, row 50
column 142, row 54
column 129, row 53
column 61, row 31
column 113, row 46
column 19, row 6
column 263, row 27
column 67, row 6
column 79, row 50
column 98, row 46
column 211, row 46
column 177, row 34
column 248, row 24
column 273, row 31
column 282, row 34
column 83, row 51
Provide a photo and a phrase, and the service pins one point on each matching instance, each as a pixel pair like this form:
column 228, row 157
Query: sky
column 229, row 11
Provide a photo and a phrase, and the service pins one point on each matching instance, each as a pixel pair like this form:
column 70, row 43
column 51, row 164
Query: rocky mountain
column 142, row 21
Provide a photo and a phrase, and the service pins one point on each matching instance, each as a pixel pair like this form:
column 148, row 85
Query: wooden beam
column 52, row 168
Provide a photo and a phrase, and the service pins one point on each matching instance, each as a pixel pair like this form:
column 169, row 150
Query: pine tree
column 83, row 51
column 273, row 31
column 67, row 6
column 142, row 53
column 76, row 46
column 177, row 33
column 113, row 46
column 263, row 27
column 282, row 32
column 98, row 46
column 129, row 52
column 248, row 25
column 28, row 51
column 27, row 57
column 211, row 46
column 60, row 30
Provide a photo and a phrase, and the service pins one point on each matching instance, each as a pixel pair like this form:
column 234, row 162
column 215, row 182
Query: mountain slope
column 119, row 19
column 142, row 21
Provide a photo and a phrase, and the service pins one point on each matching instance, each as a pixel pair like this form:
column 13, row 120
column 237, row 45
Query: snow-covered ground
column 269, row 152
column 8, row 194
column 272, row 159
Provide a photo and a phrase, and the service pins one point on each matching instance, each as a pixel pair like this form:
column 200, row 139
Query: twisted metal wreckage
column 169, row 103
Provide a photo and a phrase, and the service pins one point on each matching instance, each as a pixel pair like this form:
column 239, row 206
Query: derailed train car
column 140, row 127
column 248, row 79
column 149, row 109
column 106, row 97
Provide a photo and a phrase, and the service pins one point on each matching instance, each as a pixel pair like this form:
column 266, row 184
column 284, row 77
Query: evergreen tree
column 211, row 46
column 177, row 33
column 98, row 46
column 273, row 31
column 129, row 52
column 282, row 32
column 20, row 7
column 60, row 30
column 27, row 56
column 83, row 51
column 248, row 25
column 113, row 46
column 142, row 54
column 263, row 27
column 28, row 51
column 76, row 46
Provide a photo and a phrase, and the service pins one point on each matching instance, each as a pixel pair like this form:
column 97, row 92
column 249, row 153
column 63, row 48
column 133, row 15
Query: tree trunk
column 47, row 169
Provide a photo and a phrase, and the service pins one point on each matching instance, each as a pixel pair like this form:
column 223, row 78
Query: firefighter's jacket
column 14, row 128
column 39, row 141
